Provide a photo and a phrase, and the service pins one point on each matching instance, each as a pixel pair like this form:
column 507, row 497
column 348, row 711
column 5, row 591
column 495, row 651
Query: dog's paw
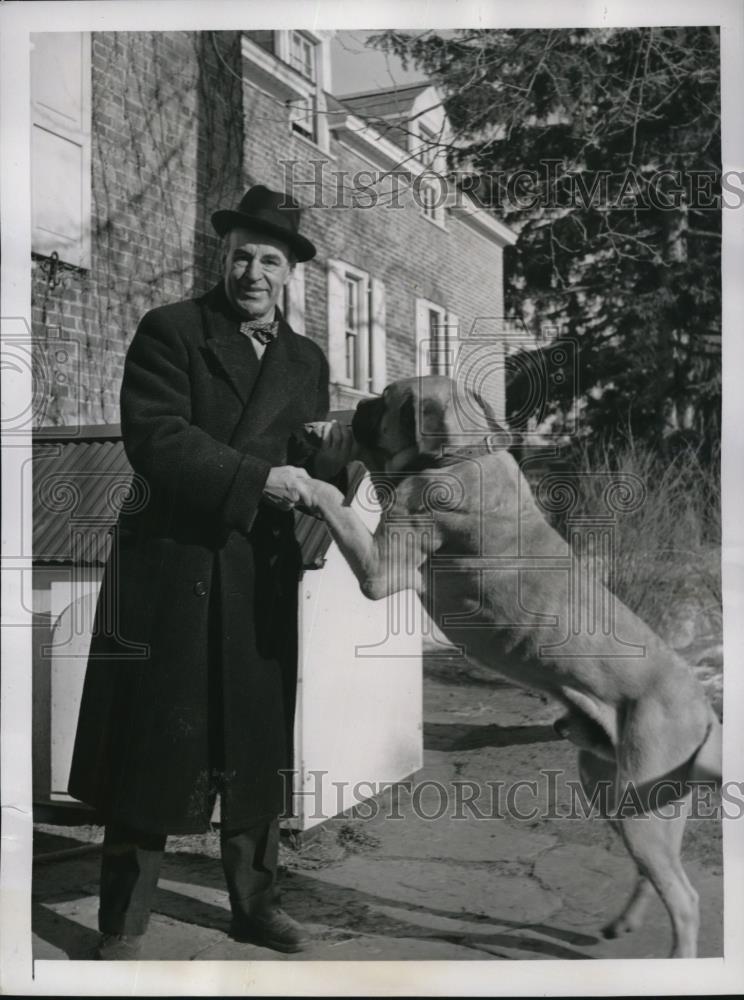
column 562, row 727
column 618, row 928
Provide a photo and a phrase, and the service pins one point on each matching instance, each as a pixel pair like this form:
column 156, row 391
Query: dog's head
column 415, row 419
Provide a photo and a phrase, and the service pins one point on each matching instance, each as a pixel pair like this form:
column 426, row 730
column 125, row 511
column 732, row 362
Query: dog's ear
column 407, row 418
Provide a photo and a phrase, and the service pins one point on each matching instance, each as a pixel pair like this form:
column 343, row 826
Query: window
column 302, row 54
column 302, row 57
column 371, row 338
column 436, row 339
column 302, row 116
column 352, row 330
column 439, row 338
column 429, row 148
column 291, row 67
column 356, row 328
column 60, row 145
column 429, row 201
column 430, row 191
column 427, row 143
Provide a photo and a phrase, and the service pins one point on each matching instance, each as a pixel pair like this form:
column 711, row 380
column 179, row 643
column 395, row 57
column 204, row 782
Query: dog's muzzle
column 365, row 423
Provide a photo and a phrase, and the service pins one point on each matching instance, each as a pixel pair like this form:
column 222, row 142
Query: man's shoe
column 272, row 928
column 119, row 947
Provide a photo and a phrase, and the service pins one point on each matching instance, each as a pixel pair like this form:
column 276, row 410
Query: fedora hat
column 268, row 211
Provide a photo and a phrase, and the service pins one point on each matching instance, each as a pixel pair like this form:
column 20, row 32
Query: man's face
column 256, row 267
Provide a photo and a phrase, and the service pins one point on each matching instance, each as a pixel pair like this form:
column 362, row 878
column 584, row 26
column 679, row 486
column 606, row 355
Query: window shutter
column 423, row 347
column 296, row 299
column 452, row 322
column 336, row 339
column 378, row 352
column 60, row 145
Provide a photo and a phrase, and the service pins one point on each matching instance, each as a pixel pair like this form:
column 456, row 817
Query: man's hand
column 286, row 485
column 337, row 448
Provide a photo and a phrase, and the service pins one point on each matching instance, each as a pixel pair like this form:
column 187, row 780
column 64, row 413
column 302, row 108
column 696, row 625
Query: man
column 190, row 686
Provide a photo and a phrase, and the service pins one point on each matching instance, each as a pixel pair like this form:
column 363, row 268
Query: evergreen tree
column 601, row 148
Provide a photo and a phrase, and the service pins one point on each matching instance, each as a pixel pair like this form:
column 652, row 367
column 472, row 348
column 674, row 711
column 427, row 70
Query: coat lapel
column 232, row 350
column 279, row 380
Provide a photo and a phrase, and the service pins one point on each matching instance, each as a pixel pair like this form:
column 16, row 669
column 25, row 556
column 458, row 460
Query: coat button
column 200, row 588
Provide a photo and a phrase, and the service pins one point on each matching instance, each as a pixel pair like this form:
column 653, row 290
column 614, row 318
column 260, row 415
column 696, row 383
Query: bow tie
column 263, row 332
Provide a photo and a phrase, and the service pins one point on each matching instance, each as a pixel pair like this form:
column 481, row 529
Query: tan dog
column 491, row 573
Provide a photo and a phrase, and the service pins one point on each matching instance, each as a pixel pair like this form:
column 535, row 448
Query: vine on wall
column 167, row 140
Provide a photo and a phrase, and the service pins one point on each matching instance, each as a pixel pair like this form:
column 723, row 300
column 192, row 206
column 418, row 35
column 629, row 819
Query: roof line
column 384, row 90
column 360, row 132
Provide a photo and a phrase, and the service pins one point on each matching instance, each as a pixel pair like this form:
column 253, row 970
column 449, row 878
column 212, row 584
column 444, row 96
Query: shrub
column 667, row 551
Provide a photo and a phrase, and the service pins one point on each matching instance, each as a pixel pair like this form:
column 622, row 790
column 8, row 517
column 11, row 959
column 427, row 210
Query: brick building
column 138, row 137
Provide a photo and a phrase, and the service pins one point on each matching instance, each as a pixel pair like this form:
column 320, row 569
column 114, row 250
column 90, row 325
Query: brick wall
column 166, row 150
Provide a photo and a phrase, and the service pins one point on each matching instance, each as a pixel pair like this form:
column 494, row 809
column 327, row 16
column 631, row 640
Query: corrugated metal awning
column 79, row 485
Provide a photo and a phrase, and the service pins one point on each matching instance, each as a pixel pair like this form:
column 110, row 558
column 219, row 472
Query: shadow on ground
column 192, row 892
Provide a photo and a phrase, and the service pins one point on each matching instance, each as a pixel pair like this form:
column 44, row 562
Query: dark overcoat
column 195, row 637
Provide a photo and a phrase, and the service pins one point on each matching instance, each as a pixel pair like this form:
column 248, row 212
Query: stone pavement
column 415, row 888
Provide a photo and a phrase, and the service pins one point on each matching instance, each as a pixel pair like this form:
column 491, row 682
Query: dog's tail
column 707, row 763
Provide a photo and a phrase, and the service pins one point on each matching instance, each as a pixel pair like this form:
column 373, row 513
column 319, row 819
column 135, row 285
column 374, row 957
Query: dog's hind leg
column 596, row 772
column 654, row 843
column 658, row 739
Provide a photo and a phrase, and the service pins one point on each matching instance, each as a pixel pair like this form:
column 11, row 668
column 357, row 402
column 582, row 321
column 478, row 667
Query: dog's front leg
column 380, row 568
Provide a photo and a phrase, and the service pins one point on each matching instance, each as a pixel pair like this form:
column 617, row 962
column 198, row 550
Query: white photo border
column 19, row 974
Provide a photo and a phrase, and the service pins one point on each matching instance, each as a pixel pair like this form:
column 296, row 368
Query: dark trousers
column 131, row 864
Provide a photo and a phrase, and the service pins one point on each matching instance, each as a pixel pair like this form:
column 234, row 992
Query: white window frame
column 370, row 374
column 441, row 361
column 303, row 118
column 428, row 121
column 276, row 75
column 433, row 211
column 308, row 45
column 72, row 247
column 294, row 300
column 356, row 306
column 428, row 151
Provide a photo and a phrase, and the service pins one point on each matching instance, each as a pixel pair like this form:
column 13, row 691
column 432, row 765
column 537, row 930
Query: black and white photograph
column 369, row 485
